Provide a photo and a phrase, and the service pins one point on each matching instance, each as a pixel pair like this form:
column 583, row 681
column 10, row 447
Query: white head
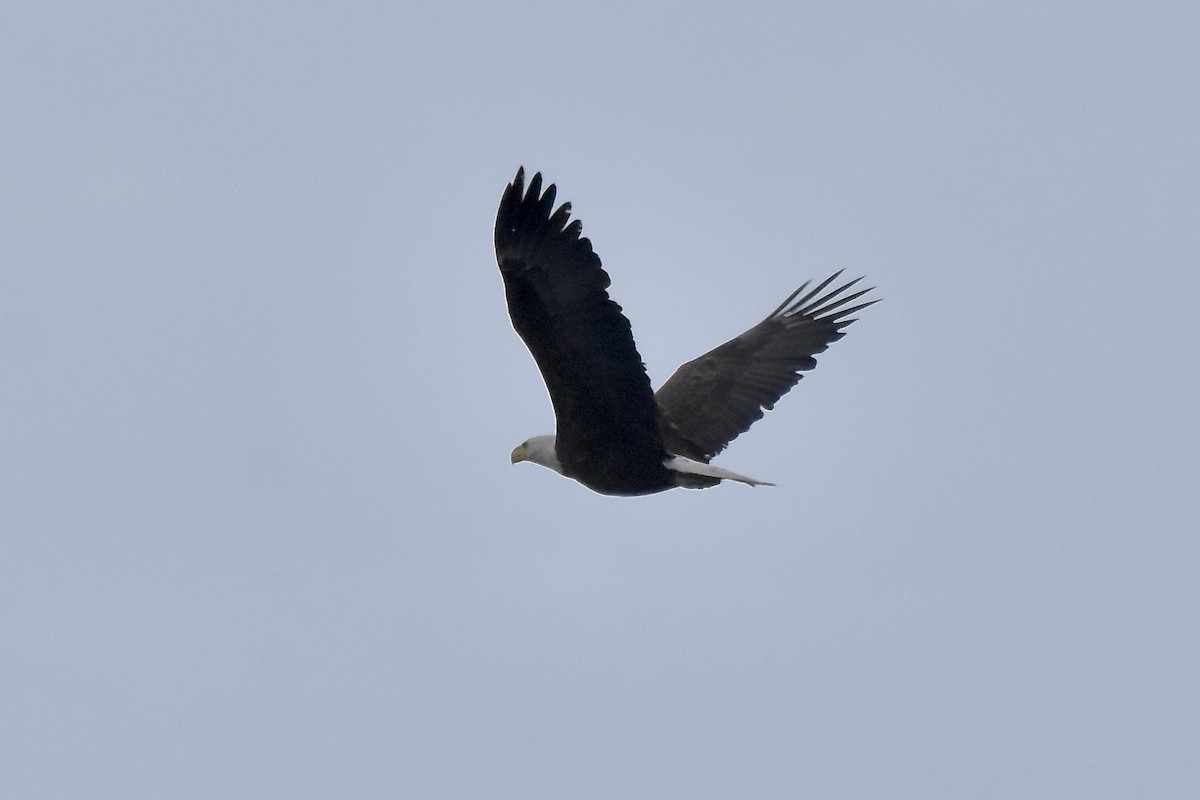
column 539, row 450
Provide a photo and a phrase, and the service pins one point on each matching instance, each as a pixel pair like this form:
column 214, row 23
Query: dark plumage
column 613, row 433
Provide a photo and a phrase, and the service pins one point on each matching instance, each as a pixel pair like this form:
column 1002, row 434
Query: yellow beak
column 518, row 454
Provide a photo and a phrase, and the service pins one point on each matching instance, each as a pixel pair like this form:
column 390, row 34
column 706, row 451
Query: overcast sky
column 259, row 533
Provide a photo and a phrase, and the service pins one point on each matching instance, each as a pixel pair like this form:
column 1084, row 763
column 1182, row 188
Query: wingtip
column 535, row 187
column 517, row 184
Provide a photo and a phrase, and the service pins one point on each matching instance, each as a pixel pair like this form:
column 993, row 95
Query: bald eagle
column 613, row 433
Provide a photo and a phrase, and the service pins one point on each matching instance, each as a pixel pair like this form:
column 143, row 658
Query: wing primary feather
column 820, row 287
column 822, row 308
column 826, row 303
column 788, row 302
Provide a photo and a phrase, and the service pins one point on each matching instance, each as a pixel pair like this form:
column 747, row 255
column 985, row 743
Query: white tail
column 690, row 467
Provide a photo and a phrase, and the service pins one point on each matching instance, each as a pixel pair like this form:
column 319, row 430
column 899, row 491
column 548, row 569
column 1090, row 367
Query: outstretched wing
column 709, row 401
column 603, row 404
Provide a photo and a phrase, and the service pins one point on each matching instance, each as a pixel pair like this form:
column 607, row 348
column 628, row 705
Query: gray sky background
column 259, row 536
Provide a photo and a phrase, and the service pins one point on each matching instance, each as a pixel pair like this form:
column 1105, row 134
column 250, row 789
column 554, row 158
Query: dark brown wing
column 603, row 404
column 708, row 402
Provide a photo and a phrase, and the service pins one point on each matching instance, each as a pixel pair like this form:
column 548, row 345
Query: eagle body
column 613, row 433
